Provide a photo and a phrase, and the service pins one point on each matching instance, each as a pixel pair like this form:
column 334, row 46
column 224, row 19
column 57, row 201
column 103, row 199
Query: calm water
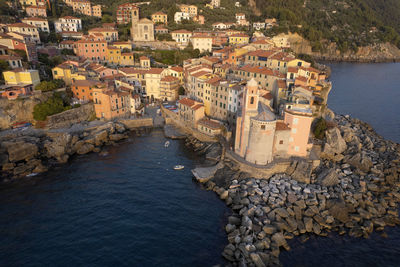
column 126, row 209
column 130, row 209
column 370, row 92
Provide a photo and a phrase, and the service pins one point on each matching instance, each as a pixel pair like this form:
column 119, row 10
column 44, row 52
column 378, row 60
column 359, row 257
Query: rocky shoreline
column 24, row 153
column 355, row 190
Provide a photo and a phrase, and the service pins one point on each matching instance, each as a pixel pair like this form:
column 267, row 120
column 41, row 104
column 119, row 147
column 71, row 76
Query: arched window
column 252, row 100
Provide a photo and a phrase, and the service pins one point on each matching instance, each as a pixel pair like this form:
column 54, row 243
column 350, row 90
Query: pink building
column 299, row 121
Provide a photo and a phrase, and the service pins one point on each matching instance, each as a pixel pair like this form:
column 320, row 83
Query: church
column 142, row 29
column 261, row 136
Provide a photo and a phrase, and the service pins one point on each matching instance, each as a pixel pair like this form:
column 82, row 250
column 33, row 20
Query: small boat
column 32, row 174
column 178, row 167
column 166, row 144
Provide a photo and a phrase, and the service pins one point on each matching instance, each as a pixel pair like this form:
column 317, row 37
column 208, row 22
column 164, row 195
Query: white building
column 181, row 36
column 41, row 24
column 68, row 24
column 179, row 16
column 203, row 43
column 259, row 25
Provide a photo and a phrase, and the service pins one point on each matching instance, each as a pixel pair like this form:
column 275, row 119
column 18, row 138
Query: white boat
column 178, row 167
column 166, row 144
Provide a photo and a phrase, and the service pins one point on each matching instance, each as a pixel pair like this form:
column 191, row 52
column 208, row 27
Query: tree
column 50, row 107
column 46, row 86
column 106, row 19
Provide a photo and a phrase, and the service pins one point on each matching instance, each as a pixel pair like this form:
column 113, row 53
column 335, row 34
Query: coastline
column 354, row 192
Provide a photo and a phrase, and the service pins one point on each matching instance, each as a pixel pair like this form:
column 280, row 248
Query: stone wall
column 67, row 118
column 137, row 123
column 172, row 118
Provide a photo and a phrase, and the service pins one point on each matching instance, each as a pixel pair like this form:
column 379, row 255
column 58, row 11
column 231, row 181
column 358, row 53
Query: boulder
column 256, row 259
column 58, row 147
column 100, row 137
column 21, row 150
column 300, row 171
column 85, row 148
column 335, row 140
column 280, row 240
column 361, row 162
column 338, row 209
column 117, row 137
column 328, row 177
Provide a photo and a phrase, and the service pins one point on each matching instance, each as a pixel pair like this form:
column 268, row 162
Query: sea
column 130, row 208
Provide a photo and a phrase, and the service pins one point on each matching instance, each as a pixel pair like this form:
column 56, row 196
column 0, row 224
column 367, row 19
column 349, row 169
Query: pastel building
column 36, row 11
column 159, row 17
column 190, row 111
column 110, row 103
column 21, row 77
column 124, row 12
column 41, row 24
column 26, row 29
column 68, row 24
column 260, row 136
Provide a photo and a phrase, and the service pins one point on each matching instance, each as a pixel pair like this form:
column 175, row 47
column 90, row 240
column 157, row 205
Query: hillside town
column 252, row 90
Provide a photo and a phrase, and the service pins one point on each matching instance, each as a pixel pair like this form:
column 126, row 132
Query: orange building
column 12, row 92
column 110, row 103
column 159, row 17
column 83, row 89
column 299, row 121
column 95, row 50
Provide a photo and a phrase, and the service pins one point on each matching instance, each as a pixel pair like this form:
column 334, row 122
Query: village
column 251, row 90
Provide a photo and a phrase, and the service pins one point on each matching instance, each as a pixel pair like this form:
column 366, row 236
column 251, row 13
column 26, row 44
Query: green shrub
column 46, row 86
column 52, row 106
column 320, row 128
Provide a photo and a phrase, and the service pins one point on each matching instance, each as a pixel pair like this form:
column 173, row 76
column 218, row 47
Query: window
column 252, row 100
column 262, row 127
column 294, row 130
column 297, row 149
column 295, row 121
column 281, row 142
column 291, row 139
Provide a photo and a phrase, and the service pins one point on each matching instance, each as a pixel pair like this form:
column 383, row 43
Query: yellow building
column 190, row 9
column 127, row 59
column 18, row 77
column 68, row 73
column 153, row 82
column 109, row 34
column 159, row 17
column 176, row 72
column 209, row 86
column 113, row 55
column 238, row 39
column 123, row 45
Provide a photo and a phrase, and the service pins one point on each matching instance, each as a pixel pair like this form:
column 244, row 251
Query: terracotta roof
column 154, row 71
column 301, row 79
column 214, row 80
column 200, row 73
column 239, row 35
column 268, row 96
column 159, row 13
column 36, row 7
column 85, row 83
column 261, row 53
column 20, row 25
column 144, row 58
column 10, row 57
column 187, row 102
column 177, row 69
column 311, row 69
column 67, row 42
column 169, row 79
column 261, row 70
column 102, row 30
column 181, row 31
column 132, row 70
column 212, row 59
column 281, row 126
column 196, row 107
column 34, row 19
column 293, row 69
column 210, row 123
column 281, row 84
column 69, row 17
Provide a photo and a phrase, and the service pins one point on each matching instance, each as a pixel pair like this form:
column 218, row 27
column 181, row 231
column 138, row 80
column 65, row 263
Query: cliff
column 383, row 52
column 19, row 110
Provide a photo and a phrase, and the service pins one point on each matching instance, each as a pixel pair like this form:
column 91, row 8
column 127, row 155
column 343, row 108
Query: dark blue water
column 126, row 209
column 370, row 92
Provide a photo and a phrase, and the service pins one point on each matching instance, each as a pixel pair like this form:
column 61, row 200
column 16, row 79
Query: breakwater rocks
column 33, row 151
column 354, row 191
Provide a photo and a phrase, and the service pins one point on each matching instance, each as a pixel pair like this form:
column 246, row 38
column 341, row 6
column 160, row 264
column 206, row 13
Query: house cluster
column 84, row 7
column 242, row 21
column 253, row 88
column 260, row 92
